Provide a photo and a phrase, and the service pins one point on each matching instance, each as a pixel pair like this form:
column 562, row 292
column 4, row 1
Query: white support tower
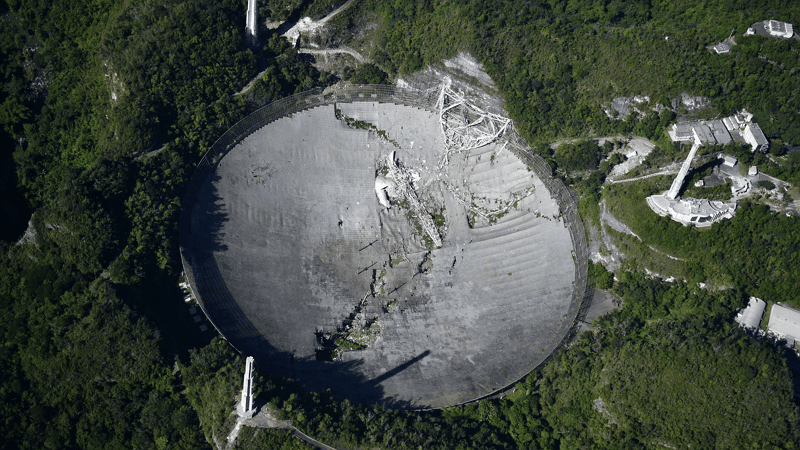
column 246, row 407
column 672, row 194
column 251, row 29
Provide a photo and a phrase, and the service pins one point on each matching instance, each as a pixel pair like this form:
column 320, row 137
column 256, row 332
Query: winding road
column 334, row 51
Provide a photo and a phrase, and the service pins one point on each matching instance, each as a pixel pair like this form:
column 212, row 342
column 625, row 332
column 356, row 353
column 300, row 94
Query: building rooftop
column 705, row 133
column 709, row 132
column 750, row 317
column 700, row 212
column 755, row 137
column 728, row 160
column 722, row 47
column 719, row 131
column 777, row 26
column 681, row 132
column 785, row 323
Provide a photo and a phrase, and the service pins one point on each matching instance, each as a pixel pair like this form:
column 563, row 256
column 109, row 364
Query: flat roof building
column 681, row 132
column 720, row 133
column 755, row 137
column 771, row 28
column 709, row 132
column 778, row 28
column 728, row 160
column 722, row 47
column 785, row 323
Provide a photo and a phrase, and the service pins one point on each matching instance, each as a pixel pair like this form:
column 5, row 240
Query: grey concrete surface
column 287, row 231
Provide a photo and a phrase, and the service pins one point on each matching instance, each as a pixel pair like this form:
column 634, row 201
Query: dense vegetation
column 669, row 369
column 556, row 62
column 112, row 102
column 753, row 251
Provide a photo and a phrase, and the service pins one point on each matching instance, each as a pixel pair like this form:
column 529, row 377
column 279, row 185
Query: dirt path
column 252, row 82
column 617, row 225
column 309, row 440
column 335, row 51
column 306, row 25
column 335, row 12
column 265, row 419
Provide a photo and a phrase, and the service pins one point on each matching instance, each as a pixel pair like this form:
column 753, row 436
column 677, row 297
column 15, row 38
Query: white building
column 691, row 211
column 753, row 135
column 750, row 317
column 709, row 132
column 737, row 121
column 722, row 47
column 728, row 160
column 784, row 323
column 778, row 29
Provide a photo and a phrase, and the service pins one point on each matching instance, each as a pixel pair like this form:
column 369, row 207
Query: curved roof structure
column 291, row 254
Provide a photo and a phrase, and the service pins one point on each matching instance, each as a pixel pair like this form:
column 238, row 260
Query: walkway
column 666, row 172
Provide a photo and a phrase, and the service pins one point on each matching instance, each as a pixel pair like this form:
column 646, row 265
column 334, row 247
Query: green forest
column 107, row 106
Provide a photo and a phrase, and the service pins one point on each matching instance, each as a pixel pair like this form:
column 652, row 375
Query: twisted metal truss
column 464, row 125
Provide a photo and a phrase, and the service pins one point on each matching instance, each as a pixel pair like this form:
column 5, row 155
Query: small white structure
column 784, row 323
column 737, row 121
column 755, row 137
column 681, row 132
column 752, row 171
column 778, row 29
column 722, row 47
column 728, row 160
column 246, row 408
column 750, row 317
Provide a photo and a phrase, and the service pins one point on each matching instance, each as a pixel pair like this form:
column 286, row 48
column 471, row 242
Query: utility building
column 755, row 137
column 750, row 317
column 779, row 29
column 785, row 323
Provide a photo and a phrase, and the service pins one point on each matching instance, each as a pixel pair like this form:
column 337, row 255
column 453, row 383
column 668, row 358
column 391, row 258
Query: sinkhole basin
column 294, row 260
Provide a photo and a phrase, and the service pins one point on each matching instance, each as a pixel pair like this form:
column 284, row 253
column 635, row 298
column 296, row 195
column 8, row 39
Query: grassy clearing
column 627, row 200
column 638, row 254
column 765, row 319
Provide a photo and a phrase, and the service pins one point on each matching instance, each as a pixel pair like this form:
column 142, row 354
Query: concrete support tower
column 672, row 194
column 246, row 407
column 251, row 29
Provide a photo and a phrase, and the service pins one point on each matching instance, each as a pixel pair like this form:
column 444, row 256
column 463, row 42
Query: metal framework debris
column 464, row 125
column 403, row 180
